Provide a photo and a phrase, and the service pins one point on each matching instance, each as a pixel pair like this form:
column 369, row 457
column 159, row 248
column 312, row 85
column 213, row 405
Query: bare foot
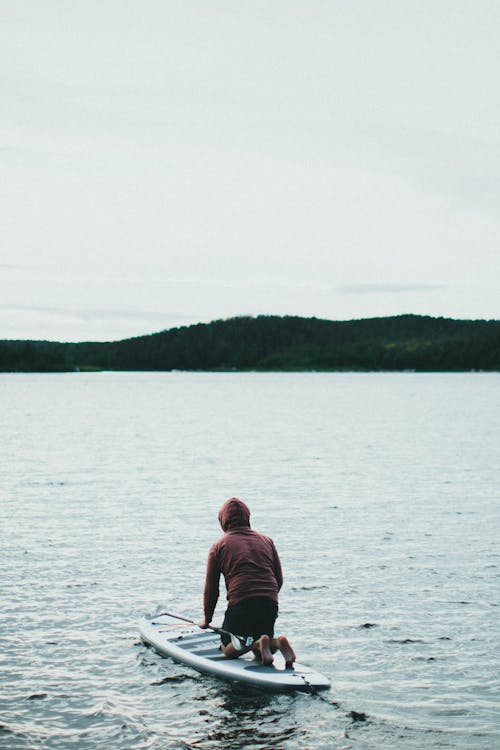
column 287, row 651
column 266, row 656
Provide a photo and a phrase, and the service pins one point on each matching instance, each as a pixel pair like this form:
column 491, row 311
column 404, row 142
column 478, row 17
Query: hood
column 234, row 514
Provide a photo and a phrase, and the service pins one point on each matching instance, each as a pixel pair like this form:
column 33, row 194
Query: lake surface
column 381, row 492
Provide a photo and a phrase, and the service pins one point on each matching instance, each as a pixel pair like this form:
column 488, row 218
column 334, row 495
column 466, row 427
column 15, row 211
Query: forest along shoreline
column 271, row 343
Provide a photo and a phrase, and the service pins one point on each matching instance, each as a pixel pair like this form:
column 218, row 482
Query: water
column 380, row 490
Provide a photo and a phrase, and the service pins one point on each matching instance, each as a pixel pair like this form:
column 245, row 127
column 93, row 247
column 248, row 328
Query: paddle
column 239, row 641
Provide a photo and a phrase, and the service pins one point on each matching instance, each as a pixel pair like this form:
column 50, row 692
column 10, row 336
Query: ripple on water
column 379, row 491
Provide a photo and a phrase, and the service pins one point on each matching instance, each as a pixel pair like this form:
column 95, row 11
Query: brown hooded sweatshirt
column 248, row 560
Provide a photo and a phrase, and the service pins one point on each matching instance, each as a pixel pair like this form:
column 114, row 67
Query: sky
column 168, row 162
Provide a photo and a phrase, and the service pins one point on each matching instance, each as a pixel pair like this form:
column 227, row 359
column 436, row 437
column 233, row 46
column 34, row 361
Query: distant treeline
column 404, row 342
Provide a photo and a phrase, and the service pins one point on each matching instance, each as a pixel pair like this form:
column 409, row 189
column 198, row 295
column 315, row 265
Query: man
column 251, row 567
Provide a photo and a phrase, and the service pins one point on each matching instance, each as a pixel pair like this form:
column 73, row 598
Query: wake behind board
column 188, row 644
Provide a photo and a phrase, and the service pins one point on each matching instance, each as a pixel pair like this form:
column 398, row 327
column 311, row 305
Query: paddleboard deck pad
column 189, row 644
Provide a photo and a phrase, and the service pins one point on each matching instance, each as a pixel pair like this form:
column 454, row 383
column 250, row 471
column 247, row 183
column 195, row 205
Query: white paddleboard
column 189, row 644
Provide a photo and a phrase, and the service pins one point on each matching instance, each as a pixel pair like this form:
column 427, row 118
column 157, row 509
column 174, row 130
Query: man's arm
column 277, row 567
column 211, row 592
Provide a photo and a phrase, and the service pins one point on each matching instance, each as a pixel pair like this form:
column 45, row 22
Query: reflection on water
column 247, row 717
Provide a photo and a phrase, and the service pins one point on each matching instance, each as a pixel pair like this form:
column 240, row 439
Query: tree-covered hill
column 278, row 343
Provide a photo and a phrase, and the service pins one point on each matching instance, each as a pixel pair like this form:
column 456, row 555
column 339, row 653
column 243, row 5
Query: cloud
column 72, row 323
column 388, row 288
column 19, row 267
column 93, row 314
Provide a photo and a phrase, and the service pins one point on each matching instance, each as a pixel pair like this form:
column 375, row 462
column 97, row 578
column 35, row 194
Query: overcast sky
column 167, row 162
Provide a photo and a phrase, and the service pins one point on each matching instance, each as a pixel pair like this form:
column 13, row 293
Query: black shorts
column 255, row 617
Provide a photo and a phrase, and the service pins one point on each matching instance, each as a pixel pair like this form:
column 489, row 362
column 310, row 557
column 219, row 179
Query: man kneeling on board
column 251, row 567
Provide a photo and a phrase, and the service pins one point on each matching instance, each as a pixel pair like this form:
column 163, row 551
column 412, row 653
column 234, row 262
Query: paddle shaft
column 242, row 639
